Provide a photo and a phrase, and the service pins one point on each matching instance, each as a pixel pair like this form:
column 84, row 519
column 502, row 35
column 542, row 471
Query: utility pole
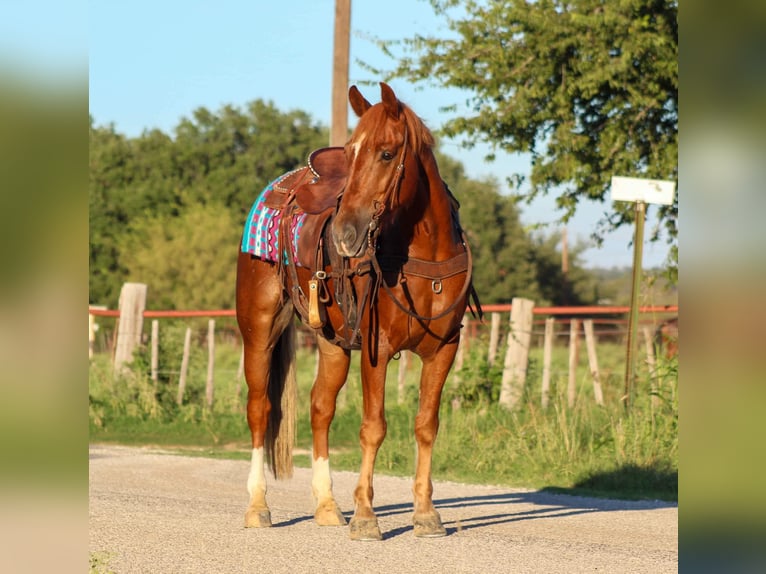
column 339, row 118
column 565, row 266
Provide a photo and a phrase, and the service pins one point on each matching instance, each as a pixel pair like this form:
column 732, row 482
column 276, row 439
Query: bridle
column 436, row 271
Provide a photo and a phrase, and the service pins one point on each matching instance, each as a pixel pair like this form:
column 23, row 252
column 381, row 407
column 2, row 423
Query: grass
column 583, row 449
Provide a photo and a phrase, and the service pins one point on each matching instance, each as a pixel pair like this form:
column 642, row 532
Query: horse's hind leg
column 426, row 520
column 262, row 318
column 331, row 374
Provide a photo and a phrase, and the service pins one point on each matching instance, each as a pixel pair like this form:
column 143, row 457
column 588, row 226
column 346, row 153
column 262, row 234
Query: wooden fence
column 520, row 330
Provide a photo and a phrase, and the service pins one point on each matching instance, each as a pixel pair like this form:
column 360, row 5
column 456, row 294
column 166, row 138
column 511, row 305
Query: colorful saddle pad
column 261, row 236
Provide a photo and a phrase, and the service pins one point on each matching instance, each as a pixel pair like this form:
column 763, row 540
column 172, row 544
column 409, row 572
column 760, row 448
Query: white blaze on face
column 321, row 483
column 357, row 145
column 256, row 480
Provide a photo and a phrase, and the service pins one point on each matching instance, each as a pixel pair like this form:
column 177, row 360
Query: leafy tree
column 502, row 251
column 168, row 211
column 111, row 171
column 589, row 88
column 188, row 262
column 223, row 159
column 576, row 287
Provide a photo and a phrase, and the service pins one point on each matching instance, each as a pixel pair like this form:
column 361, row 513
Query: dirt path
column 159, row 513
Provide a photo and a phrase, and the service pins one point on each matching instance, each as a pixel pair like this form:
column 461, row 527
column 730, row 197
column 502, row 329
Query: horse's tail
column 280, row 430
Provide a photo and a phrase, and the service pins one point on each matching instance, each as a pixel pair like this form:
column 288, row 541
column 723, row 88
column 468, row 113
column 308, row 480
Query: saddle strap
column 426, row 269
column 465, row 265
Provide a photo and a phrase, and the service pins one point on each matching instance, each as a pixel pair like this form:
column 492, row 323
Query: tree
column 188, row 262
column 222, row 158
column 168, row 211
column 502, row 251
column 589, row 88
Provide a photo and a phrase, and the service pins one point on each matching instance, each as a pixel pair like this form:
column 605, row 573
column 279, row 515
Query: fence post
column 240, row 373
column 210, row 362
column 155, row 361
column 92, row 328
column 590, row 343
column 458, row 364
column 131, row 324
column 494, row 336
column 652, row 364
column 404, row 362
column 184, row 367
column 517, row 355
column 547, row 354
column 574, row 327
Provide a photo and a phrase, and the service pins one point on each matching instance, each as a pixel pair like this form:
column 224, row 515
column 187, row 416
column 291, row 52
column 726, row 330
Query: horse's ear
column 389, row 100
column 357, row 101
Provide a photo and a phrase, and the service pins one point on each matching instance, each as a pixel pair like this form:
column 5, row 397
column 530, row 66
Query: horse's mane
column 420, row 137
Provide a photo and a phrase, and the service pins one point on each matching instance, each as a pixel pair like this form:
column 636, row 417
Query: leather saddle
column 312, row 190
column 315, row 187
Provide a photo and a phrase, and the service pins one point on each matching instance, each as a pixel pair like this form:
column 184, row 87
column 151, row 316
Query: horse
column 390, row 269
column 666, row 338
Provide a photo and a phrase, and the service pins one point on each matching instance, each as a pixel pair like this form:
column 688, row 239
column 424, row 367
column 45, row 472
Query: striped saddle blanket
column 261, row 235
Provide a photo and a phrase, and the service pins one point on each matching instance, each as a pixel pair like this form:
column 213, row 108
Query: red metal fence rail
column 497, row 308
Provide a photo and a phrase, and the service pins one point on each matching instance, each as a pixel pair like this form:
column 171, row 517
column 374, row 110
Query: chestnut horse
column 396, row 276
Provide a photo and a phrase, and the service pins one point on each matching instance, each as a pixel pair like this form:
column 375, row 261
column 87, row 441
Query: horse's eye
column 387, row 156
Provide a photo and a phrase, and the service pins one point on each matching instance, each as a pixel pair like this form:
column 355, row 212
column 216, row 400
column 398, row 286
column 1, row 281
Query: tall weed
column 599, row 449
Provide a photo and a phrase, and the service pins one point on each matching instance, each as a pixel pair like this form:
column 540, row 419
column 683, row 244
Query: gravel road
column 160, row 513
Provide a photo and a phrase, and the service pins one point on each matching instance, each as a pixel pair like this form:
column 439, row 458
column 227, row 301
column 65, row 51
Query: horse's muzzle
column 350, row 238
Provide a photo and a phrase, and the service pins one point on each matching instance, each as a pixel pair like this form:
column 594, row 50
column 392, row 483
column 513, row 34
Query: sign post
column 641, row 192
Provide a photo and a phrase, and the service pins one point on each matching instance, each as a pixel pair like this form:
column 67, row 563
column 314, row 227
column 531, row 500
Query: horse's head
column 375, row 155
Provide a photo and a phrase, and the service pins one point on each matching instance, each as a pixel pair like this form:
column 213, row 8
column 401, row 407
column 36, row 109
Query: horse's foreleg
column 364, row 523
column 331, row 374
column 426, row 520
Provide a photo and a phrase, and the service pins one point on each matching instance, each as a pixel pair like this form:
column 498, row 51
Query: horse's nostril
column 348, row 236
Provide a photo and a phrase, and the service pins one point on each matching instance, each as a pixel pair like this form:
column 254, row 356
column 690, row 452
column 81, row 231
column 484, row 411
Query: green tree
column 502, row 250
column 222, row 159
column 588, row 88
column 188, row 261
column 111, row 171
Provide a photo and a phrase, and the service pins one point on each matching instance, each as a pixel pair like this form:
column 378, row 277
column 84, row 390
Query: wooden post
column 574, row 327
column 590, row 343
column 92, row 328
column 240, row 374
column 494, row 337
column 517, row 355
column 340, row 59
column 458, row 364
column 638, row 247
column 547, row 354
column 404, row 362
column 184, row 367
column 131, row 324
column 460, row 354
column 155, row 348
column 210, row 363
column 652, row 364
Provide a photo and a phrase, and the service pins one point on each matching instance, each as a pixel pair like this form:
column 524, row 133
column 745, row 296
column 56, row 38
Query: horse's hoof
column 364, row 529
column 257, row 519
column 429, row 526
column 329, row 515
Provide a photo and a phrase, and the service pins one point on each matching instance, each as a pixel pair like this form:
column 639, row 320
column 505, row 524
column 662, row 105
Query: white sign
column 646, row 190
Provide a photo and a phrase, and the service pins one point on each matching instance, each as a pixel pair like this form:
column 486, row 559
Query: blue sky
column 153, row 62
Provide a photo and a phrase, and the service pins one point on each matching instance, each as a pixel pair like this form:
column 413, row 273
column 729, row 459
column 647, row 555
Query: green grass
column 585, row 449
